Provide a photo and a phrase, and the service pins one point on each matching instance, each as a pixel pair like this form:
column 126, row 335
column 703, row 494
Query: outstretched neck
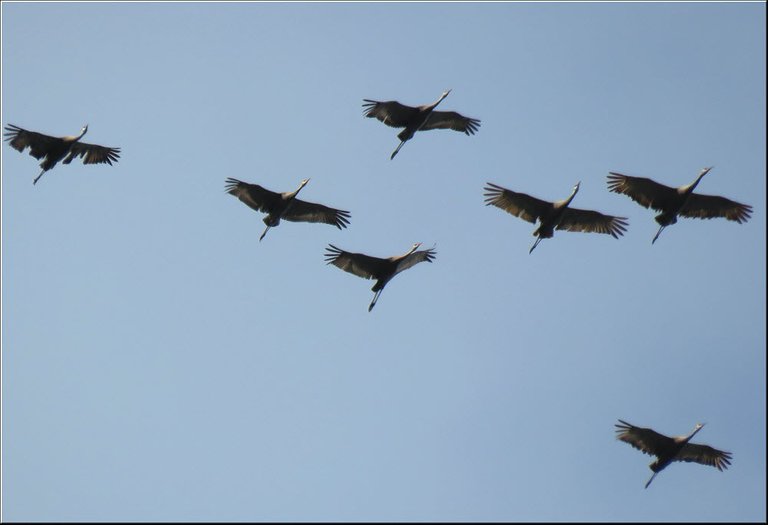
column 573, row 194
column 695, row 183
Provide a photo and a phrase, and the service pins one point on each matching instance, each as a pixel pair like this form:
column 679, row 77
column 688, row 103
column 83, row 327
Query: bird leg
column 38, row 177
column 656, row 237
column 538, row 240
column 373, row 303
column 654, row 474
column 396, row 150
column 265, row 232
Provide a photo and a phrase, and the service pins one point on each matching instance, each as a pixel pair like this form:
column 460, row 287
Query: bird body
column 54, row 149
column 553, row 215
column 421, row 118
column 383, row 270
column 682, row 201
column 669, row 449
column 285, row 205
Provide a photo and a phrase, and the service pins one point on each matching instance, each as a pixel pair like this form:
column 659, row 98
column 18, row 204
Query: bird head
column 303, row 182
column 415, row 247
column 576, row 187
column 704, row 171
column 84, row 130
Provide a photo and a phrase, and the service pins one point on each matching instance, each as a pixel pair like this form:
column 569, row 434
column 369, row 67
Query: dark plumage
column 553, row 215
column 285, row 205
column 383, row 270
column 667, row 449
column 54, row 149
column 420, row 118
column 672, row 202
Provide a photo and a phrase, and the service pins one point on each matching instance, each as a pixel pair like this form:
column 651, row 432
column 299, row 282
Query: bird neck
column 573, row 194
column 693, row 433
column 695, row 183
column 82, row 132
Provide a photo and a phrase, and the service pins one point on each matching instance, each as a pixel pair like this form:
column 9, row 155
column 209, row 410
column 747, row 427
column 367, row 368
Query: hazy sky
column 159, row 363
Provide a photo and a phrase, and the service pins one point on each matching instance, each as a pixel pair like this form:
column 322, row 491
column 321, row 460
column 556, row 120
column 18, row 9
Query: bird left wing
column 255, row 196
column 711, row 206
column 518, row 204
column 39, row 144
column 451, row 120
column 705, row 455
column 576, row 220
column 415, row 258
column 93, row 153
column 301, row 211
column 359, row 264
column 391, row 113
column 644, row 439
column 646, row 192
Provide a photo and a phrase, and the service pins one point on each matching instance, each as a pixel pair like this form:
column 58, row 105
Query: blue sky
column 159, row 363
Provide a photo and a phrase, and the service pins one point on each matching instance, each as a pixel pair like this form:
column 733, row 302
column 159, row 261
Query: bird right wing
column 38, row 143
column 414, row 259
column 358, row 264
column 643, row 439
column 303, row 211
column 451, row 120
column 93, row 153
column 711, row 206
column 646, row 192
column 518, row 204
column 391, row 113
column 576, row 220
column 256, row 197
column 705, row 455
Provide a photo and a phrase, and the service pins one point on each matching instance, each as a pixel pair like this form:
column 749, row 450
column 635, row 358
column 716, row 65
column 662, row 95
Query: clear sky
column 159, row 363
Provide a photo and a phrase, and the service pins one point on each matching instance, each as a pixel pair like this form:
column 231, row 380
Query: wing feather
column 518, row 204
column 576, row 220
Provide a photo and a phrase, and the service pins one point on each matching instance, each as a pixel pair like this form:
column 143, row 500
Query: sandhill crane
column 53, row 149
column 672, row 202
column 383, row 270
column 553, row 215
column 421, row 118
column 285, row 205
column 667, row 449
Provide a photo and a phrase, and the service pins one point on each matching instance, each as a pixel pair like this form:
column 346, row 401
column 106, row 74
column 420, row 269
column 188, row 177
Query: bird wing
column 391, row 113
column 705, row 455
column 576, row 220
column 415, row 258
column 643, row 439
column 711, row 206
column 518, row 204
column 258, row 198
column 451, row 120
column 38, row 143
column 646, row 192
column 92, row 153
column 301, row 211
column 359, row 264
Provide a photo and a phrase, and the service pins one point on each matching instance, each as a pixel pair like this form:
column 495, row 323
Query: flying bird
column 421, row 118
column 285, row 205
column 668, row 449
column 672, row 202
column 54, row 149
column 383, row 270
column 553, row 215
